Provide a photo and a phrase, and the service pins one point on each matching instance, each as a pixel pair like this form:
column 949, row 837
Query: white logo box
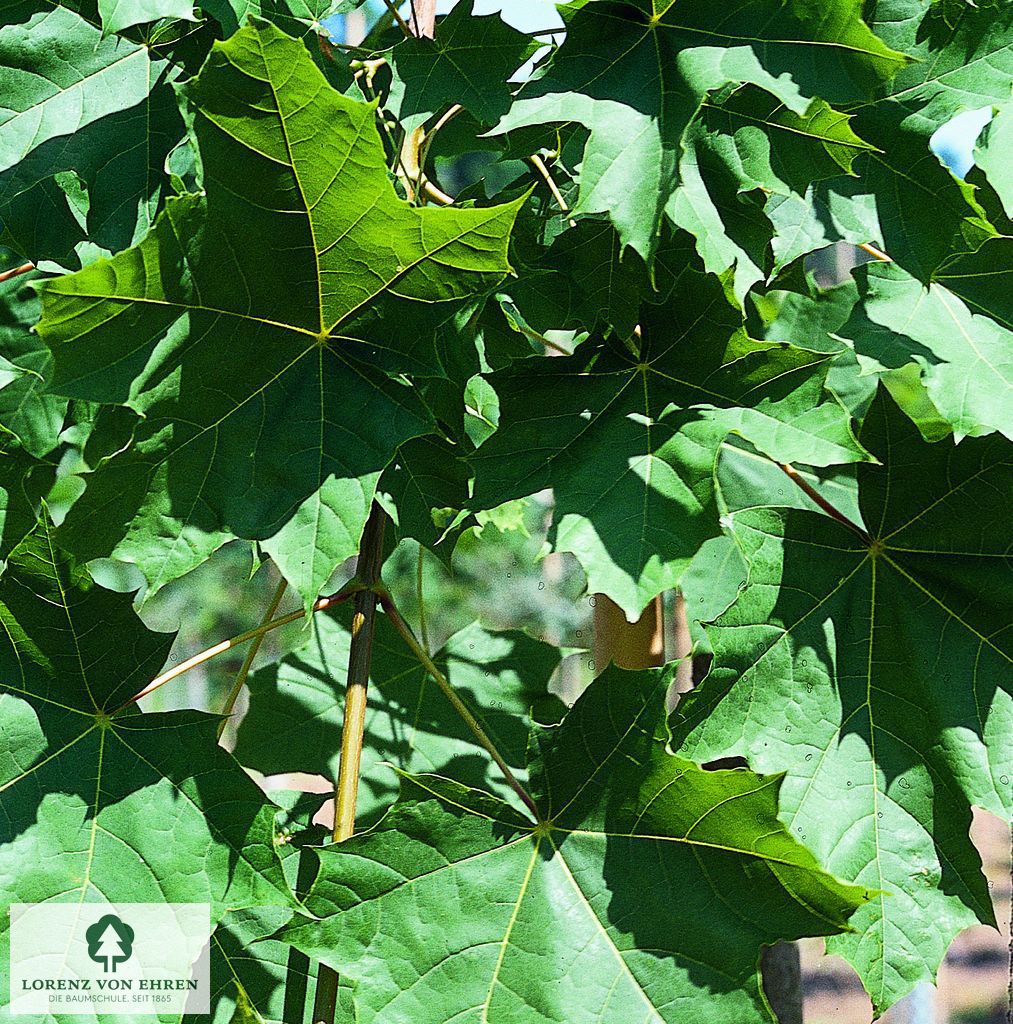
column 109, row 958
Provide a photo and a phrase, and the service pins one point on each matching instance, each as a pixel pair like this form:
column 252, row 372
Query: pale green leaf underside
column 118, row 15
column 57, row 74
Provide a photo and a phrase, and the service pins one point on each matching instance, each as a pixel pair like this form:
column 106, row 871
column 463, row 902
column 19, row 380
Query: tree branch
column 397, row 17
column 346, row 789
column 539, row 164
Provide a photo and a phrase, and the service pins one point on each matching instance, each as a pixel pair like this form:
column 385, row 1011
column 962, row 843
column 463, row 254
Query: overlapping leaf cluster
column 279, row 279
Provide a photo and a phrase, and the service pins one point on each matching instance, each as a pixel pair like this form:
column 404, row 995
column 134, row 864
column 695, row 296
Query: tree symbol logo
column 110, row 942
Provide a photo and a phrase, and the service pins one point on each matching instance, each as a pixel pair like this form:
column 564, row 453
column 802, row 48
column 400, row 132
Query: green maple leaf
column 34, row 418
column 87, row 123
column 840, row 210
column 980, row 279
column 581, row 282
column 636, row 74
column 106, row 806
column 257, row 979
column 809, row 319
column 966, row 359
column 294, row 721
column 752, row 143
column 995, row 141
column 644, row 894
column 629, row 443
column 877, row 674
column 423, row 491
column 469, row 62
column 906, row 201
column 18, row 507
column 260, row 329
column 296, row 17
column 118, row 15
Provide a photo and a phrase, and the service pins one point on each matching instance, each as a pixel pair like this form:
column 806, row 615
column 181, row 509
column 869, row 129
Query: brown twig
column 328, row 46
column 422, row 183
column 539, row 164
column 435, row 193
column 397, row 17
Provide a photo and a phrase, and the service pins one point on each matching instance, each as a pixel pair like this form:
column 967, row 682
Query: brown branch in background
column 811, row 491
column 424, row 18
column 16, row 272
column 326, row 47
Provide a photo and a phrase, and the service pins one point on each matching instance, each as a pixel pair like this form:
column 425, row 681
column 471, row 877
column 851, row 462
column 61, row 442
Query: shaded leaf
column 97, row 107
column 966, row 359
column 469, row 62
column 752, row 143
column 118, row 15
column 423, row 490
column 26, row 411
column 636, row 74
column 629, row 443
column 106, row 806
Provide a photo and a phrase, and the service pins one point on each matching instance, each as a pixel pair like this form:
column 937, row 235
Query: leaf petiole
column 459, row 706
column 804, row 485
column 244, row 671
column 350, row 589
column 16, row 271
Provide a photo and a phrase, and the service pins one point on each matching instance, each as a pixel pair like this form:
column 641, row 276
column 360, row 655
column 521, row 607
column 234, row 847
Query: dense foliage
column 279, row 282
